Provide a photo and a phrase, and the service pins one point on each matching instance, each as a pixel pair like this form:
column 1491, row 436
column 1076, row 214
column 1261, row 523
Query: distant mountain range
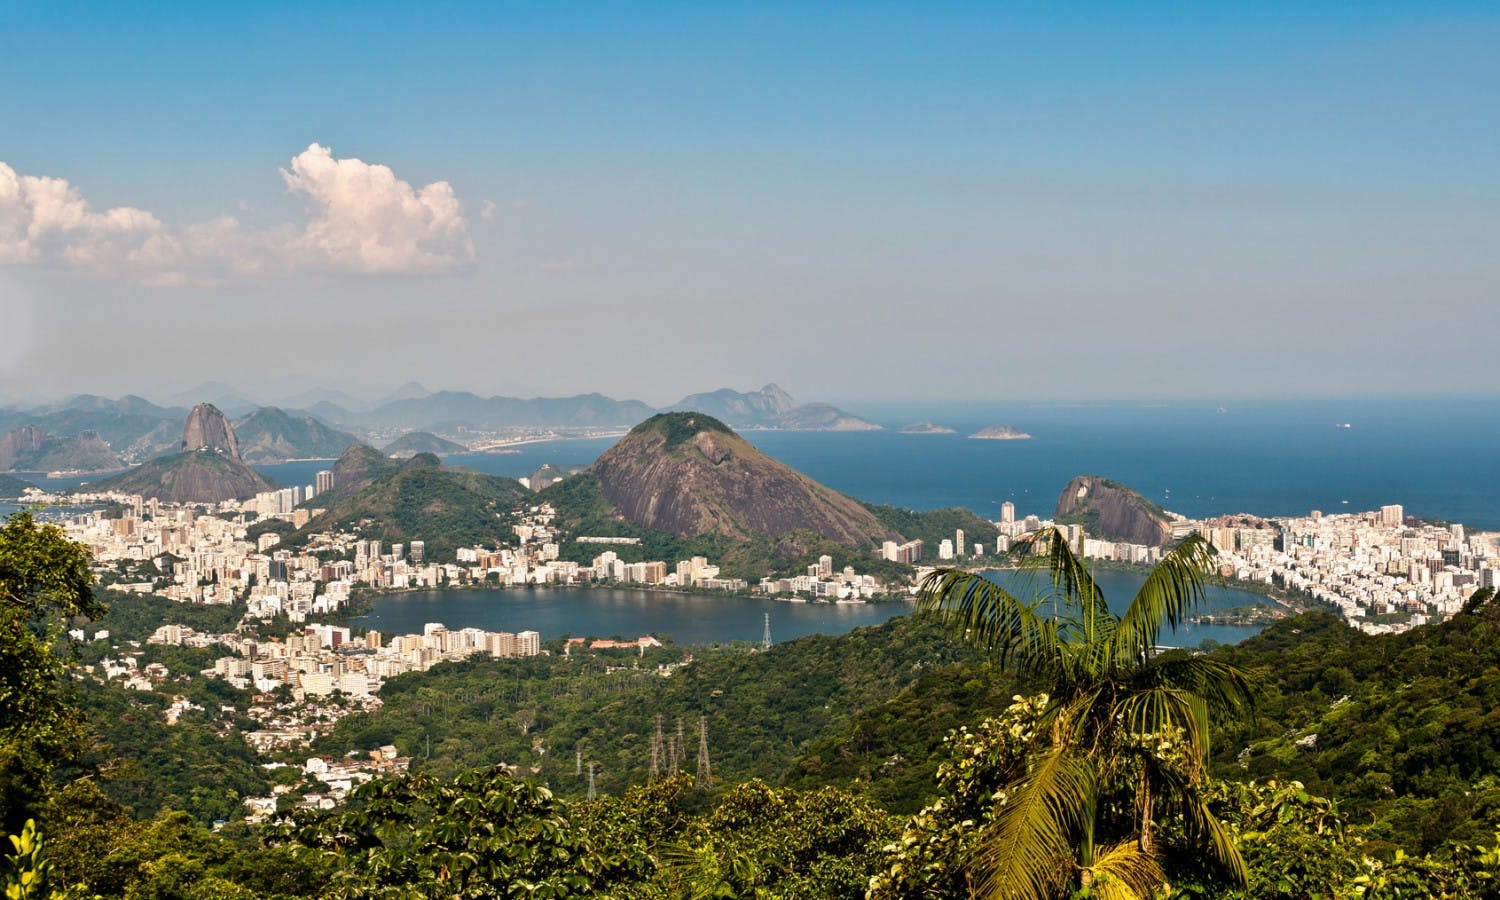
column 269, row 435
column 770, row 407
column 92, row 433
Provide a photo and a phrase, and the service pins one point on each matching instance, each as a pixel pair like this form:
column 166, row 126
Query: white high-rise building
column 1393, row 516
column 1007, row 512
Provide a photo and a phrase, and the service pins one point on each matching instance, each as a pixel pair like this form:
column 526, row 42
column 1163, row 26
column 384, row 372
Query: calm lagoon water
column 700, row 619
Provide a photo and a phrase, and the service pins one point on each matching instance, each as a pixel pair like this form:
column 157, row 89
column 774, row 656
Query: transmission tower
column 765, row 641
column 679, row 749
column 705, row 774
column 592, row 793
column 656, row 747
column 578, row 759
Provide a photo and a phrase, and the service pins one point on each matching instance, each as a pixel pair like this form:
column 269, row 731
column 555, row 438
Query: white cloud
column 363, row 218
column 359, row 217
column 487, row 212
column 46, row 218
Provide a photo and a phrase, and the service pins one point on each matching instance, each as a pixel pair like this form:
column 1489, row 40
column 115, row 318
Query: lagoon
column 701, row 618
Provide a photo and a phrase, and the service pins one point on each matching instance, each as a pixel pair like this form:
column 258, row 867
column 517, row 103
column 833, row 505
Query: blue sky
column 956, row 201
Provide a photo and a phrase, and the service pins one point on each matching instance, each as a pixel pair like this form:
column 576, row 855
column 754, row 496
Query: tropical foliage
column 1110, row 786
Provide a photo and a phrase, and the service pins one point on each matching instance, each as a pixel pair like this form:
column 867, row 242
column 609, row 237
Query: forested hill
column 11, row 487
column 1403, row 729
column 421, row 500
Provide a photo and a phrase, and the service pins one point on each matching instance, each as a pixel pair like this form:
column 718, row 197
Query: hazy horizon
column 877, row 204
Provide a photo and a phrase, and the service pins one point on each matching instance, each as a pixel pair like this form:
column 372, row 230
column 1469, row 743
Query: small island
column 1000, row 433
column 925, row 427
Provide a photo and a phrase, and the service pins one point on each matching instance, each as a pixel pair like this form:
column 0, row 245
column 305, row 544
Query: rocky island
column 1000, row 433
column 925, row 427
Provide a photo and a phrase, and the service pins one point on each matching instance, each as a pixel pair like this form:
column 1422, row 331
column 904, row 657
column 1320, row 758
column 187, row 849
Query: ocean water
column 1437, row 457
column 1272, row 458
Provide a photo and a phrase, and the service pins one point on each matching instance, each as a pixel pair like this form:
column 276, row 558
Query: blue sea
column 1436, row 457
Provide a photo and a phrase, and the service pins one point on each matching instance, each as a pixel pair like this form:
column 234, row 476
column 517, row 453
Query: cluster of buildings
column 327, row 658
column 822, row 583
column 1380, row 570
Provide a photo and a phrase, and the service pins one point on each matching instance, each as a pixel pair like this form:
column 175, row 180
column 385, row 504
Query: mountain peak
column 208, row 429
column 690, row 474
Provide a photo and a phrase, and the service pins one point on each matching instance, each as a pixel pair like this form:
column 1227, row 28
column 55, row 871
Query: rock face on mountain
column 689, row 474
column 269, row 435
column 209, row 470
column 209, row 429
column 20, row 445
column 1110, row 510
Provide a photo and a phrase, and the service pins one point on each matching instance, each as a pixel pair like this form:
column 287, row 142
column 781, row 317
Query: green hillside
column 763, row 708
column 11, row 487
column 422, row 501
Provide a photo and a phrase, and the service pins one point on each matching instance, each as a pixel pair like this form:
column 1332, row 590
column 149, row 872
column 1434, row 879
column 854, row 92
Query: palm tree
column 1123, row 746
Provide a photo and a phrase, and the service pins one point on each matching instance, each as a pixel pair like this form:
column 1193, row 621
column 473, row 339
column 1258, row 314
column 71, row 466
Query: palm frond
column 1126, row 872
column 992, row 618
column 1172, row 590
column 1163, row 709
column 1226, row 688
column 1047, row 550
column 1026, row 853
column 1213, row 836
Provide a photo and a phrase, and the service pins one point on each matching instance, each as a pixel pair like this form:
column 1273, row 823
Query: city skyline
column 874, row 204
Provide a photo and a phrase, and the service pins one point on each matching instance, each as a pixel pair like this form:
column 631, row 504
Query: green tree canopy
column 44, row 582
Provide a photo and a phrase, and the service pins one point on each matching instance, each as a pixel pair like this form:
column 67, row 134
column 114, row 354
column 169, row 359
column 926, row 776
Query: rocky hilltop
column 209, row 470
column 1000, row 433
column 689, row 474
column 1110, row 510
column 208, row 429
column 926, row 427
